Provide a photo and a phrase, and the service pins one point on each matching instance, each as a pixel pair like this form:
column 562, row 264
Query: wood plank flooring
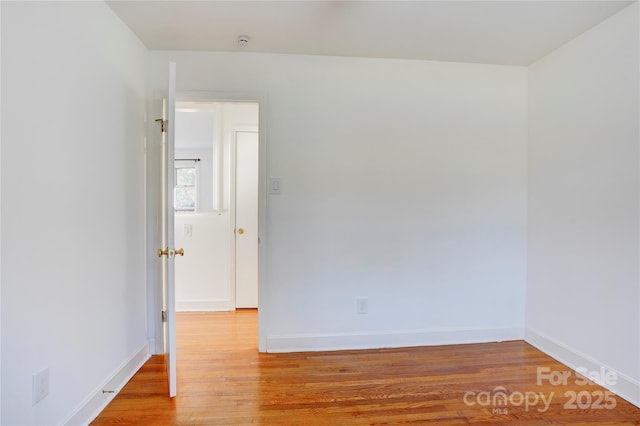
column 223, row 380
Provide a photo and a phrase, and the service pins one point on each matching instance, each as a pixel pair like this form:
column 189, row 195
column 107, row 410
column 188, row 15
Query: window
column 185, row 195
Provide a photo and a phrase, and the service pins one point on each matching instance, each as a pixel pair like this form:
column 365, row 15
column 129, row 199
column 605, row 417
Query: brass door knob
column 240, row 231
column 170, row 253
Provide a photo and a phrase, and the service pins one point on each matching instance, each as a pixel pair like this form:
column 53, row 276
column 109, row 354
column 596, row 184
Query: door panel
column 168, row 232
column 246, row 219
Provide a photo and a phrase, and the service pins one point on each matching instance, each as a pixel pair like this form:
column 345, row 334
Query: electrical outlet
column 40, row 385
column 362, row 305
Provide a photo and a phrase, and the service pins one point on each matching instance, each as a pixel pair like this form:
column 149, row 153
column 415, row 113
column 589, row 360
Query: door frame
column 154, row 286
column 153, row 225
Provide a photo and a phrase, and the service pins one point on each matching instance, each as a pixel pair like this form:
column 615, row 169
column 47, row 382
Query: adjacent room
column 216, row 205
column 443, row 184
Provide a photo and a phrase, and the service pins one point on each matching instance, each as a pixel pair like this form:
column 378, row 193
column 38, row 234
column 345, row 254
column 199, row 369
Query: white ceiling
column 499, row 32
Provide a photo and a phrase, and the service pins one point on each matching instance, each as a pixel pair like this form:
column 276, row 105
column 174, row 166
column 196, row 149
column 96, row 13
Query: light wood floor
column 223, row 380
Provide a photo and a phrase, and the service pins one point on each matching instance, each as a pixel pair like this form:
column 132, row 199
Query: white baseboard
column 390, row 339
column 155, row 347
column 197, row 305
column 625, row 387
column 97, row 400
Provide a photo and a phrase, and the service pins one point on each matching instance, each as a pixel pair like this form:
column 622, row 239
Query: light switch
column 188, row 230
column 275, row 186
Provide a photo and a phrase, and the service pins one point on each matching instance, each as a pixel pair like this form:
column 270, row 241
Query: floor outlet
column 40, row 385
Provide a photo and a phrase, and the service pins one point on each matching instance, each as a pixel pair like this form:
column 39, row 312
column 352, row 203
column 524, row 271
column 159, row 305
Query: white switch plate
column 275, row 186
column 188, row 230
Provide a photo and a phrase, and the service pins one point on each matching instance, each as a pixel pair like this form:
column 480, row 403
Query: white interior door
column 168, row 252
column 246, row 219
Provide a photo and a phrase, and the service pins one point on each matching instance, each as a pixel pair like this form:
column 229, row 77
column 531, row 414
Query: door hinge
column 164, row 316
column 163, row 124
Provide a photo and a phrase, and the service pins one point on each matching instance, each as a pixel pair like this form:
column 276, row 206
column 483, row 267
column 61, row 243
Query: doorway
column 216, row 205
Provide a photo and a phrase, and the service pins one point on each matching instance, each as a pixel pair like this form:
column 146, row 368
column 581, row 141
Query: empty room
column 446, row 227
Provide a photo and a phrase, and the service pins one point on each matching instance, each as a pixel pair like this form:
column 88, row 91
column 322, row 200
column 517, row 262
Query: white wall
column 73, row 266
column 202, row 275
column 582, row 292
column 403, row 182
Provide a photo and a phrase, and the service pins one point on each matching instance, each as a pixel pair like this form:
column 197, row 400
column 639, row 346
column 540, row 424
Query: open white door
column 167, row 253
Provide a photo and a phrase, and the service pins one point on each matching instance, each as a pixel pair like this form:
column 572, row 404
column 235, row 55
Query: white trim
column 153, row 191
column 145, row 230
column 0, row 252
column 203, row 305
column 97, row 400
column 230, row 141
column 263, row 306
column 625, row 387
column 152, row 345
column 391, row 339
